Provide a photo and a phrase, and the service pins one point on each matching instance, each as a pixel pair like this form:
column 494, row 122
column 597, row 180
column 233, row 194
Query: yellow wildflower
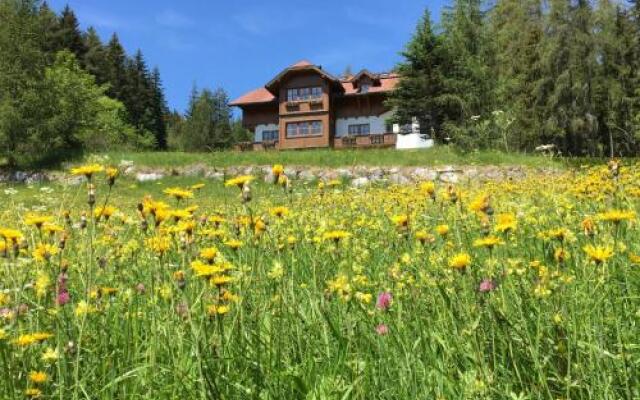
column 87, row 170
column 489, row 242
column 239, row 181
column 598, row 254
column 178, row 193
column 38, row 377
column 44, row 252
column 460, row 261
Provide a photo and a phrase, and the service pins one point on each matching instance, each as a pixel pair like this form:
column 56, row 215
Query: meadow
column 247, row 289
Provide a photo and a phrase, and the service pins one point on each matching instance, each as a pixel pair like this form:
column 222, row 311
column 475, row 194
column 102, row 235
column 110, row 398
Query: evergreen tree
column 468, row 79
column 516, row 29
column 95, row 58
column 115, row 68
column 207, row 125
column 49, row 26
column 159, row 110
column 68, row 34
column 420, row 94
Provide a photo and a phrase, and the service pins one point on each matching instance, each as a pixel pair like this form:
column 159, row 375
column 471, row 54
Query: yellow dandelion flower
column 52, row 228
column 178, row 193
column 489, row 242
column 44, row 252
column 506, row 223
column 424, row 237
column 460, row 261
column 336, row 236
column 233, row 244
column 442, row 230
column 598, row 254
column 239, row 181
column 106, row 212
column 87, row 170
column 37, row 220
column 11, row 235
column 209, row 254
column 159, row 244
column 220, row 280
column 400, row 220
column 279, row 211
column 214, row 310
column 617, row 216
column 277, row 169
column 38, row 377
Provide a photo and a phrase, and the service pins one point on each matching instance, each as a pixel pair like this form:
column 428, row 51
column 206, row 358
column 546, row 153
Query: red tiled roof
column 260, row 95
column 388, row 82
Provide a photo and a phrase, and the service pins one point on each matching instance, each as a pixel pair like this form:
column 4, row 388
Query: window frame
column 304, row 93
column 274, row 135
column 311, row 128
column 358, row 129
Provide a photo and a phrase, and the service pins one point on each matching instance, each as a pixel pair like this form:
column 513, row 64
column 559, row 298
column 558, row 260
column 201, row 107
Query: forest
column 518, row 74
column 63, row 92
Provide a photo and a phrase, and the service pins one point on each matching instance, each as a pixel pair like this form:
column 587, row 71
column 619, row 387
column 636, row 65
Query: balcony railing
column 375, row 140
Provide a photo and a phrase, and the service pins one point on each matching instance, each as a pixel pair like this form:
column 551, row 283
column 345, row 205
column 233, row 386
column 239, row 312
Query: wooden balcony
column 347, row 142
column 365, row 141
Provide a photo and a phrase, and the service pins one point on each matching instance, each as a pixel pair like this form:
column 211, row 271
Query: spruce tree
column 516, row 30
column 419, row 92
column 159, row 110
column 68, row 34
column 115, row 58
column 95, row 58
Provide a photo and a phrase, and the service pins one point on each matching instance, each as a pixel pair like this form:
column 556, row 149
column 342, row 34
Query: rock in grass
column 148, row 177
column 360, row 182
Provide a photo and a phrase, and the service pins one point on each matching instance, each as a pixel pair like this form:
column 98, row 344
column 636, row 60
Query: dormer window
column 364, row 87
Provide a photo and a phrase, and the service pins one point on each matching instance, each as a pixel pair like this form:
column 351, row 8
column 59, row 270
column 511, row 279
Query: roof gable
column 274, row 85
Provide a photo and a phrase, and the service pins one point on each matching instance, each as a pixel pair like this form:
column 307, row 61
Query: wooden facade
column 310, row 108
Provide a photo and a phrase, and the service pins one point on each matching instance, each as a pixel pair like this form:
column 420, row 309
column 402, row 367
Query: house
column 304, row 106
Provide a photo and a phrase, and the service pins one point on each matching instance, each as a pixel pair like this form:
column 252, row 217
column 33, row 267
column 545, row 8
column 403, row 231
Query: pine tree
column 49, row 26
column 68, row 34
column 468, row 79
column 159, row 110
column 517, row 29
column 95, row 58
column 115, row 58
column 419, row 93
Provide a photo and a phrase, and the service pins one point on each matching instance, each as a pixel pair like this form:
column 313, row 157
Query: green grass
column 305, row 324
column 437, row 156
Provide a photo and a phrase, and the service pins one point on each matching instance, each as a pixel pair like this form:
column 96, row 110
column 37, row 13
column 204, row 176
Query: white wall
column 376, row 124
column 413, row 141
column 263, row 127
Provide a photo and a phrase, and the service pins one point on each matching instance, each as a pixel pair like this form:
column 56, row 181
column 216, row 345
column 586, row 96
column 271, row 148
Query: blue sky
column 241, row 44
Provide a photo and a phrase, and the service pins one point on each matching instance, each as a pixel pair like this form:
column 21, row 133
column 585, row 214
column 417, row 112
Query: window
column 305, row 128
column 306, row 93
column 359, row 129
column 364, row 88
column 270, row 135
column 316, row 127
